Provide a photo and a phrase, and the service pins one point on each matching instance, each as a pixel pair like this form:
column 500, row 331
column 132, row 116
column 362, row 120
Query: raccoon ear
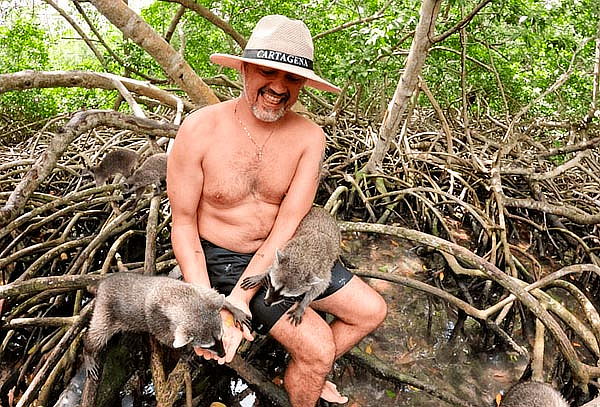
column 315, row 280
column 278, row 256
column 220, row 301
column 180, row 338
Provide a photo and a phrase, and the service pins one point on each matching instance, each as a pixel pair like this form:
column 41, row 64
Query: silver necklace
column 259, row 149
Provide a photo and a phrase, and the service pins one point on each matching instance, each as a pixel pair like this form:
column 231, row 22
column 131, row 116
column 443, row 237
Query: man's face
column 270, row 92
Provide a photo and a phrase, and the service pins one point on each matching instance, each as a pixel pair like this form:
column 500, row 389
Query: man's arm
column 184, row 188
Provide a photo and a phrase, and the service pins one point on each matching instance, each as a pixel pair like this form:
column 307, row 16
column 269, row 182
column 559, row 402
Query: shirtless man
column 241, row 175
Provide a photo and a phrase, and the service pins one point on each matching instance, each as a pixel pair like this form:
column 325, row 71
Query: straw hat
column 280, row 43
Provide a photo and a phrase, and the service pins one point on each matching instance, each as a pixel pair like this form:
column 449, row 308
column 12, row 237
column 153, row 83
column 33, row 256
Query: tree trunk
column 134, row 27
column 396, row 111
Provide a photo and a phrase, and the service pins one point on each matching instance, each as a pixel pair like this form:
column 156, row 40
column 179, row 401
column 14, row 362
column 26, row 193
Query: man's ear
column 180, row 338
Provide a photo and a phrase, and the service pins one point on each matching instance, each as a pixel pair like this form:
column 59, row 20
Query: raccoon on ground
column 175, row 312
column 533, row 394
column 152, row 171
column 120, row 161
column 303, row 267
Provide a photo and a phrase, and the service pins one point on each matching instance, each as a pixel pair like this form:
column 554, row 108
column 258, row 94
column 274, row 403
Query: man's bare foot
column 331, row 394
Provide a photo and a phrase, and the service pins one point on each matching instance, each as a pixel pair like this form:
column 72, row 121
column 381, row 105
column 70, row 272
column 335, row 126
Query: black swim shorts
column 225, row 268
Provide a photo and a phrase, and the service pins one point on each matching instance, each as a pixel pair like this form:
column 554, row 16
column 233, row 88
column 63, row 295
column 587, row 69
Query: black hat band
column 278, row 56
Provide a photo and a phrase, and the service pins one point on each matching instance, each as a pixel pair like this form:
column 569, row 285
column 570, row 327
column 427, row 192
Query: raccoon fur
column 533, row 394
column 152, row 171
column 175, row 312
column 304, row 266
column 121, row 160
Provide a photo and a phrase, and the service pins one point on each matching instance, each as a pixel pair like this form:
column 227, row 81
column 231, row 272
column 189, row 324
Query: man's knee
column 371, row 312
column 317, row 352
column 378, row 310
column 319, row 356
column 310, row 344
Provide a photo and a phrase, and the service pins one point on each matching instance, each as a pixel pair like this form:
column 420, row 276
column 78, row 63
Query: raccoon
column 533, row 394
column 121, row 160
column 152, row 171
column 304, row 266
column 175, row 312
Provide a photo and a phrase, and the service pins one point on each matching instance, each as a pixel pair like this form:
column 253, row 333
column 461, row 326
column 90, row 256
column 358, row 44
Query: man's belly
column 242, row 228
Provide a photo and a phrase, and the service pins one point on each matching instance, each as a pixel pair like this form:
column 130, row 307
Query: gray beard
column 269, row 116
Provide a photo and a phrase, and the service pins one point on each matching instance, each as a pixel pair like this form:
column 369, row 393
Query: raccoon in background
column 152, row 171
column 304, row 266
column 119, row 161
column 533, row 394
column 175, row 312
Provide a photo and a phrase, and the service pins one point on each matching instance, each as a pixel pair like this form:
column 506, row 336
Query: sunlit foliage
column 519, row 47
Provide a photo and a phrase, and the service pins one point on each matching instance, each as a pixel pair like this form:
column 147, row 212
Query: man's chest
column 236, row 174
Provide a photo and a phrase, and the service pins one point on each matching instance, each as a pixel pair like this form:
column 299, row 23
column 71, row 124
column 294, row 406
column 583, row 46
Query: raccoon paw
column 243, row 319
column 253, row 281
column 295, row 315
column 239, row 316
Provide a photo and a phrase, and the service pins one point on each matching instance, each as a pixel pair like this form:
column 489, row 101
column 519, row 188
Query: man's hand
column 232, row 334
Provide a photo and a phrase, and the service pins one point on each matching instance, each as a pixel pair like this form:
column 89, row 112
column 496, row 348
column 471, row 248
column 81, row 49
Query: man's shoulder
column 304, row 123
column 205, row 120
column 209, row 113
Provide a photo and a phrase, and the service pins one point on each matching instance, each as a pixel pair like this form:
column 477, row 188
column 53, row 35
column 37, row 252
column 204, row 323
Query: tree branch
column 584, row 145
column 90, row 80
column 462, row 23
column 380, row 369
column 134, row 27
column 570, row 212
column 41, row 375
column 375, row 16
column 80, row 123
column 397, row 108
column 35, row 285
column 578, row 369
column 113, row 54
column 80, row 31
column 214, row 19
column 174, row 22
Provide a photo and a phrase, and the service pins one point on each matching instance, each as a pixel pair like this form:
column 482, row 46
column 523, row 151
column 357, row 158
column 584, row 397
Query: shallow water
column 415, row 338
